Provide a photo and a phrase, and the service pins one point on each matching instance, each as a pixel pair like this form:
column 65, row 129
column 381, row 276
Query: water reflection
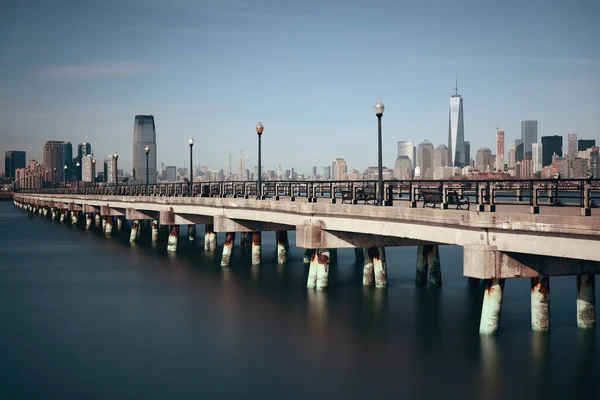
column 490, row 387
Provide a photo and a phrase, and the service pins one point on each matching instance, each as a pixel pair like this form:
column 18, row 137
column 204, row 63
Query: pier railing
column 482, row 194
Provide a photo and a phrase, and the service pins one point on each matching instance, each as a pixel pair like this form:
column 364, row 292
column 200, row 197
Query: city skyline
column 264, row 65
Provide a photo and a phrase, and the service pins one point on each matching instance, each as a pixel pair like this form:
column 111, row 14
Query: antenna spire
column 456, row 83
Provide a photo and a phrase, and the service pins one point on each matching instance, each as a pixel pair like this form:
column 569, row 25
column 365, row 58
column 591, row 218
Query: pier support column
column 282, row 241
column 428, row 259
column 586, row 300
column 103, row 224
column 227, row 248
column 109, row 226
column 377, row 254
column 210, row 237
column 173, row 237
column 311, row 282
column 62, row 215
column 74, row 217
column 256, row 240
column 245, row 240
column 368, row 274
column 191, row 233
column 119, row 223
column 540, row 303
column 491, row 307
column 359, row 254
column 154, row 231
column 134, row 232
column 307, row 256
column 97, row 220
column 88, row 221
column 323, row 258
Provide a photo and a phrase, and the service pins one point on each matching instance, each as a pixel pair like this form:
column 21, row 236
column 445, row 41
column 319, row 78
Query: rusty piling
column 586, row 300
column 227, row 248
column 491, row 307
column 540, row 303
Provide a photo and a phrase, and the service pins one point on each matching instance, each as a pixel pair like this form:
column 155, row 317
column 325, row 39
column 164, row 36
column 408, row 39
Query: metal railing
column 583, row 193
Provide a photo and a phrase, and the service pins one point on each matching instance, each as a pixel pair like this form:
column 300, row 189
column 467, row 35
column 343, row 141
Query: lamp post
column 65, row 175
column 77, row 175
column 259, row 131
column 54, row 178
column 379, row 107
column 94, row 171
column 191, row 143
column 116, row 157
column 147, row 150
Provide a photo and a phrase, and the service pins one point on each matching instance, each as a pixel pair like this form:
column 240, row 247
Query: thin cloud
column 98, row 69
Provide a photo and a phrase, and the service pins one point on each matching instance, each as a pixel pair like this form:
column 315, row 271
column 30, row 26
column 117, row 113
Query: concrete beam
column 131, row 213
column 107, row 211
column 171, row 218
column 486, row 262
column 224, row 224
column 90, row 209
column 315, row 237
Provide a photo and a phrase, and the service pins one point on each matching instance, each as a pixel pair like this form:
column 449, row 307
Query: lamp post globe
column 94, row 171
column 379, row 108
column 259, row 131
column 65, row 175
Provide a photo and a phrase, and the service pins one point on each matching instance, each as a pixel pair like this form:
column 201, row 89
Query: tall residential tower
column 144, row 134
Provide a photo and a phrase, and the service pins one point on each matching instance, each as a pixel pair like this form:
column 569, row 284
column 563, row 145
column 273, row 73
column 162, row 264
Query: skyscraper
column 529, row 136
column 551, row 145
column 499, row 150
column 67, row 159
column 441, row 156
column 326, row 172
column 519, row 150
column 53, row 157
column 537, row 156
column 456, row 132
column 425, row 152
column 572, row 141
column 511, row 156
column 144, row 134
column 338, row 167
column 595, row 161
column 87, row 168
column 228, row 172
column 110, row 169
column 241, row 167
column 584, row 144
column 483, row 159
column 467, row 153
column 83, row 149
column 13, row 160
column 406, row 148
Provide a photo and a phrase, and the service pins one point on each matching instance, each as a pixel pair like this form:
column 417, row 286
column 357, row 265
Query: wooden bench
column 432, row 197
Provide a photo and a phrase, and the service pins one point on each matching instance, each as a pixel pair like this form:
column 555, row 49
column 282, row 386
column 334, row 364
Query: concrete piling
column 307, row 256
column 586, row 300
column 227, row 248
column 134, row 234
column 154, row 231
column 282, row 240
column 428, row 260
column 359, row 254
column 311, row 282
column 103, row 224
column 540, row 303
column 379, row 266
column 88, row 221
column 210, row 238
column 97, row 220
column 109, row 226
column 491, row 307
column 245, row 240
column 191, row 232
column 74, row 217
column 62, row 215
column 119, row 223
column 368, row 270
column 323, row 258
column 256, row 241
column 173, row 237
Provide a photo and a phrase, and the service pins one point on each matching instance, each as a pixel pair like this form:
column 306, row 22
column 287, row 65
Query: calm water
column 82, row 316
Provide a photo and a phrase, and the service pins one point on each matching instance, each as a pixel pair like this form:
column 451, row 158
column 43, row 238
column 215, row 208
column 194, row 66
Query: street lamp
column 259, row 131
column 116, row 157
column 77, row 176
column 65, row 175
column 379, row 107
column 94, row 171
column 191, row 143
column 147, row 150
column 54, row 178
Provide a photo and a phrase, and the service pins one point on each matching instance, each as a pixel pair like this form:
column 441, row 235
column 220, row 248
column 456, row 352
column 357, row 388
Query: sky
column 310, row 70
